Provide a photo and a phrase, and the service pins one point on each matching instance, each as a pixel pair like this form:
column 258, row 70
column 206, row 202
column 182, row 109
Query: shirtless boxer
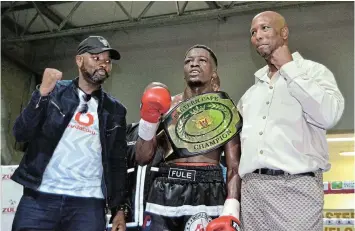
column 189, row 190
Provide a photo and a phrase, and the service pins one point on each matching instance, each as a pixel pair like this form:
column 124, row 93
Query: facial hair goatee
column 94, row 78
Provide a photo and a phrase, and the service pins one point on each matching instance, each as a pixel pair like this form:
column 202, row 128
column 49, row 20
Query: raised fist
column 156, row 101
column 49, row 79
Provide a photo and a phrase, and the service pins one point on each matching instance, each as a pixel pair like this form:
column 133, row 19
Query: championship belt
column 201, row 124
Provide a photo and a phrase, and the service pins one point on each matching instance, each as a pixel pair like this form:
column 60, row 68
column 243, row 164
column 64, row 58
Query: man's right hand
column 156, row 101
column 49, row 79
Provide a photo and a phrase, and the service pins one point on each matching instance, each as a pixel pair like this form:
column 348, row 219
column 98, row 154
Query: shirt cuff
column 290, row 71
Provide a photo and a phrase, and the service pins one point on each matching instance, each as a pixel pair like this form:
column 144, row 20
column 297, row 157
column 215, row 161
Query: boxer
column 193, row 129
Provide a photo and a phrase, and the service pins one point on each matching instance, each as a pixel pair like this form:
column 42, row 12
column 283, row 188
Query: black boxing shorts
column 184, row 198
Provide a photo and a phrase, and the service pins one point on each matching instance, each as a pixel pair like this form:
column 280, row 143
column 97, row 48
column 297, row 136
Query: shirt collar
column 261, row 73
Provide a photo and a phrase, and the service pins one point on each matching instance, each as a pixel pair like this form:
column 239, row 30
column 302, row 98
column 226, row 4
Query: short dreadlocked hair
column 213, row 55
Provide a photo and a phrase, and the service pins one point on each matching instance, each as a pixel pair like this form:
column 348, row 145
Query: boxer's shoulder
column 176, row 99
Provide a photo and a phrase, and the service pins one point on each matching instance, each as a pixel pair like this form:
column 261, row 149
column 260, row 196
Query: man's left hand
column 281, row 56
column 119, row 223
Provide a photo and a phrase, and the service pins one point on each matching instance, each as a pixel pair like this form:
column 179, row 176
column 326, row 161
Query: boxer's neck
column 191, row 92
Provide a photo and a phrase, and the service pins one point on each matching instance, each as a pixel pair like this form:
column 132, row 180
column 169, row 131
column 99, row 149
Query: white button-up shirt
column 285, row 118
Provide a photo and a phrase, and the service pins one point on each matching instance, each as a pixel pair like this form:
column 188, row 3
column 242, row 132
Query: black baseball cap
column 97, row 45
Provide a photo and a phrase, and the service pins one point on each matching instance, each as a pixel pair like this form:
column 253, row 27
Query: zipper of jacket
column 60, row 111
column 104, row 157
column 39, row 100
column 106, row 195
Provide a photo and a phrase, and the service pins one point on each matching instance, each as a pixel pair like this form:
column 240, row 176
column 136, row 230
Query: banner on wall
column 11, row 193
column 338, row 228
column 338, row 213
column 339, row 187
column 338, row 220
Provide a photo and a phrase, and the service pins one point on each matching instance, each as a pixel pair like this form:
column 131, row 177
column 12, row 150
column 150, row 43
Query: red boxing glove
column 224, row 223
column 228, row 220
column 155, row 102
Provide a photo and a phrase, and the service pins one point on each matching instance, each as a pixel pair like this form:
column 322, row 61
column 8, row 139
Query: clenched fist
column 280, row 56
column 49, row 79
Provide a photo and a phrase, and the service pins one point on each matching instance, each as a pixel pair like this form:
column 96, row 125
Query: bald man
column 285, row 117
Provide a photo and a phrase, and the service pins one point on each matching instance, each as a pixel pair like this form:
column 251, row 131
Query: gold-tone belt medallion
column 202, row 123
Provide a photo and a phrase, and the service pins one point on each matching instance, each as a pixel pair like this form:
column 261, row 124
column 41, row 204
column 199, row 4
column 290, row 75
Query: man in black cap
column 77, row 148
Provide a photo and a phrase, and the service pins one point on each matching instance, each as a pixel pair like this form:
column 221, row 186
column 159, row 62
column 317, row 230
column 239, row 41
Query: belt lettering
column 201, row 124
